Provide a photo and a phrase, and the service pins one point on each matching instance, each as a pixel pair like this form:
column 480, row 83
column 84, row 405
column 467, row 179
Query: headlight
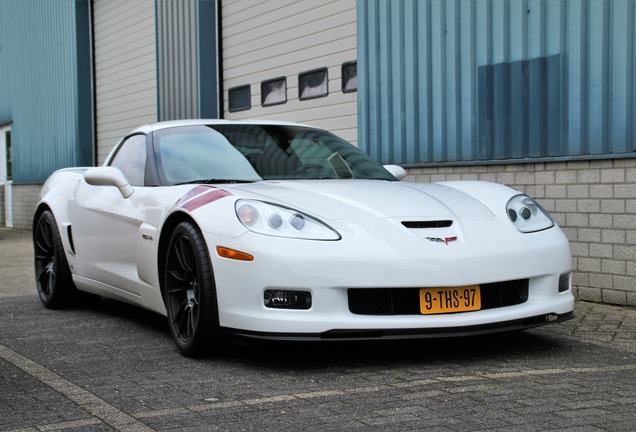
column 527, row 215
column 275, row 220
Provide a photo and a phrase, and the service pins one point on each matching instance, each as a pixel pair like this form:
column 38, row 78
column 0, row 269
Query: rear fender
column 55, row 195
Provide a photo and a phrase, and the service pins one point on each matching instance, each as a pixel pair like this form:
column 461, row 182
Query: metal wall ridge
column 451, row 81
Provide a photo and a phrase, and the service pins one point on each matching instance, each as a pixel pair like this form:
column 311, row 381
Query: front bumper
column 365, row 260
column 417, row 333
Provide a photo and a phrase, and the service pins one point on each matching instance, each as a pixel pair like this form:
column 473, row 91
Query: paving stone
column 113, row 367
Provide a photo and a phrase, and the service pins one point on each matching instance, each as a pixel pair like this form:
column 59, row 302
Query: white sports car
column 283, row 231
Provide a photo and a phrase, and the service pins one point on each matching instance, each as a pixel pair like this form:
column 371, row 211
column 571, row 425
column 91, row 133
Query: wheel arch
column 164, row 239
column 56, row 195
column 195, row 286
column 53, row 275
column 41, row 208
column 64, row 229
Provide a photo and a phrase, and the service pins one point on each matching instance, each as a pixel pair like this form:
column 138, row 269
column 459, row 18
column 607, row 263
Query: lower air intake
column 406, row 301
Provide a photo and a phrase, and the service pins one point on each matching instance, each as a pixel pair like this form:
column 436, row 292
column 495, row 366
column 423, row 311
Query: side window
column 131, row 159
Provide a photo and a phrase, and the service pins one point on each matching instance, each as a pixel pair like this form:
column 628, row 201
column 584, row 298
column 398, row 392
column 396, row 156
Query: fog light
column 564, row 282
column 280, row 299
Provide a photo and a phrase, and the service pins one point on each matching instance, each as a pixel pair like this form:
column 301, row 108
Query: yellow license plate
column 448, row 300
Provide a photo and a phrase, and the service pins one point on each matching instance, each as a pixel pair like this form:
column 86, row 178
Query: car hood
column 364, row 199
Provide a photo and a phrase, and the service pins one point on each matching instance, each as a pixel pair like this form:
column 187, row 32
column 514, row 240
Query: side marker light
column 224, row 252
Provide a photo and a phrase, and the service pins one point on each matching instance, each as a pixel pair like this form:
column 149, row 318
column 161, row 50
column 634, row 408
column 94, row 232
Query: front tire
column 190, row 292
column 52, row 274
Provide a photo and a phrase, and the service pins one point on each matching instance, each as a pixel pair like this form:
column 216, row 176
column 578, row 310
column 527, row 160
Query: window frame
column 282, row 79
column 308, row 73
column 133, row 181
column 345, row 66
column 235, row 89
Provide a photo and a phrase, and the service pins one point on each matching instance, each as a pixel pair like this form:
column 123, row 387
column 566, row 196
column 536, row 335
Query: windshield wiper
column 215, row 181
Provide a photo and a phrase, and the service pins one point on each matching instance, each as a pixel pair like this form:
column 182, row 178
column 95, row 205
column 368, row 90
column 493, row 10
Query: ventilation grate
column 428, row 224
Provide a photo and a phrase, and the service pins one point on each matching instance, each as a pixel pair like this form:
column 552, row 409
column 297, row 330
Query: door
column 106, row 229
column 106, row 226
column 6, row 174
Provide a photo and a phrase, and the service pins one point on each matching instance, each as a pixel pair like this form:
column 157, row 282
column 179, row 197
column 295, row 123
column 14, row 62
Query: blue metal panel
column 208, row 59
column 43, row 87
column 459, row 81
column 85, row 150
column 621, row 88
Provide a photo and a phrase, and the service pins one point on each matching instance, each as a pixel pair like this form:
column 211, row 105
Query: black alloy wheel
column 190, row 292
column 52, row 274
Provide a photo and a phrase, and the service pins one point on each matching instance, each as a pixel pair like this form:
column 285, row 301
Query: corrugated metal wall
column 177, row 59
column 42, row 86
column 125, row 68
column 271, row 39
column 496, row 80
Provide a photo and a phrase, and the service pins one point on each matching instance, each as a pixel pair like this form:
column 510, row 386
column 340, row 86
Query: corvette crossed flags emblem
column 445, row 240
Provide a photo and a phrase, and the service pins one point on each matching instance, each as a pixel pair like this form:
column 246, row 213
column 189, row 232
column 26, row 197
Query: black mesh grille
column 406, row 301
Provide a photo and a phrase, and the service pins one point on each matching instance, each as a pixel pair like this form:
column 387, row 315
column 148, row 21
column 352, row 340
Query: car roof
column 151, row 127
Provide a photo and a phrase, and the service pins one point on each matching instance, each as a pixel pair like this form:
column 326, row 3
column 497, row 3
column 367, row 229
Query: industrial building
column 536, row 94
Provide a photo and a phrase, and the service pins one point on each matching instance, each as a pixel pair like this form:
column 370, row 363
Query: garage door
column 125, row 68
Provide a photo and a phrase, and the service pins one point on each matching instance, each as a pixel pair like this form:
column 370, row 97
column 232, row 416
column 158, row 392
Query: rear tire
column 52, row 274
column 190, row 292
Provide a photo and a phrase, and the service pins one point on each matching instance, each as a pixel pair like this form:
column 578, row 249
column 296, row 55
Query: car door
column 106, row 225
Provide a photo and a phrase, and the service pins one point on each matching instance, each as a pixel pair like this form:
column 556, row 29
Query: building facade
column 536, row 94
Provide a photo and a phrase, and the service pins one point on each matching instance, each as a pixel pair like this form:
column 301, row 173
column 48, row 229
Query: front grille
column 406, row 301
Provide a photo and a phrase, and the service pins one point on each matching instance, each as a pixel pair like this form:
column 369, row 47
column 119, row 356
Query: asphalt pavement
column 113, row 367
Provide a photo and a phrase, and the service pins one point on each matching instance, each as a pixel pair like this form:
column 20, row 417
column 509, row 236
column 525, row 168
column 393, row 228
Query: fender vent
column 69, row 234
column 428, row 224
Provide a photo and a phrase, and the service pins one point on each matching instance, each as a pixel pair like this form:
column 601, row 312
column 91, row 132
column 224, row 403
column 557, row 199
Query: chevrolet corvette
column 281, row 231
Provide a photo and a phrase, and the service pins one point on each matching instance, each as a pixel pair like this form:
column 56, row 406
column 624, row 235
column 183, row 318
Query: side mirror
column 397, row 171
column 108, row 176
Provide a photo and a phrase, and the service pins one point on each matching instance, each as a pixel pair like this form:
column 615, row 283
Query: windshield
column 243, row 152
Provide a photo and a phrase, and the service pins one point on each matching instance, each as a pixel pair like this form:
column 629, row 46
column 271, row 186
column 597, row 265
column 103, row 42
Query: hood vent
column 428, row 224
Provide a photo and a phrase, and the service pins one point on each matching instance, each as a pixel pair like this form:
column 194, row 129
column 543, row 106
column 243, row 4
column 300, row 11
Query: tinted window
column 296, row 152
column 199, row 154
column 131, row 159
column 253, row 152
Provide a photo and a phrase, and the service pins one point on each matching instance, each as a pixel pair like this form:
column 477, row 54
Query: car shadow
column 298, row 356
column 146, row 320
column 280, row 355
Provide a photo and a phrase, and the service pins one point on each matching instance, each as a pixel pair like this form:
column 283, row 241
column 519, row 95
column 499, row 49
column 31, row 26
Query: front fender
column 495, row 196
